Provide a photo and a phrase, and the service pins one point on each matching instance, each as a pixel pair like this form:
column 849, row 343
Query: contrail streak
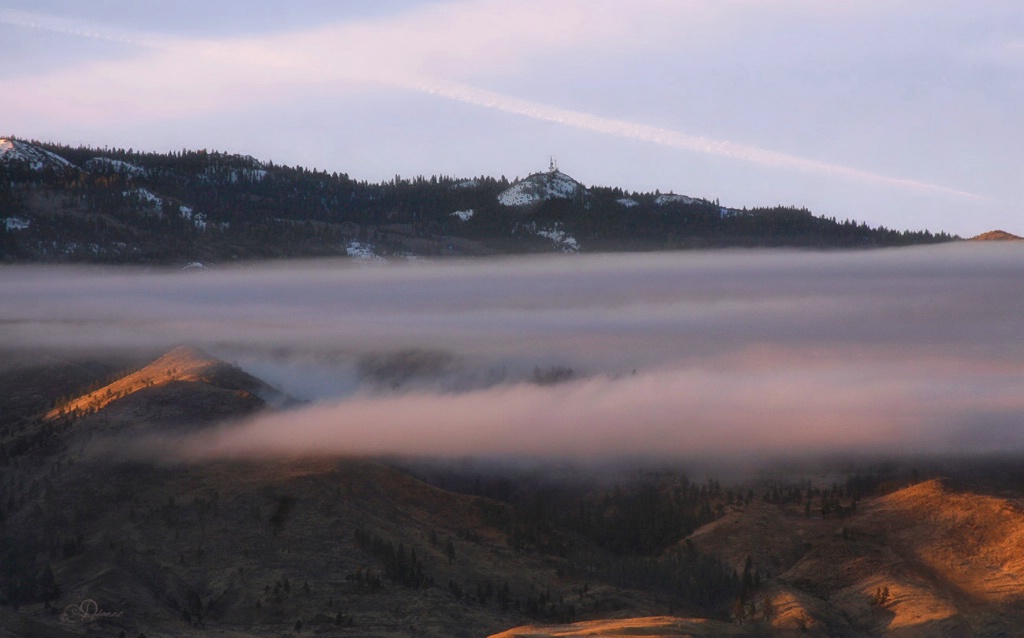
column 293, row 59
column 65, row 27
column 665, row 137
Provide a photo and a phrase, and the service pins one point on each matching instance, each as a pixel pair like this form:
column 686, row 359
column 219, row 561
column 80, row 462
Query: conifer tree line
column 127, row 206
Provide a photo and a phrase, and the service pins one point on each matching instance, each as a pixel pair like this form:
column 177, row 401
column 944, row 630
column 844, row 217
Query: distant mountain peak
column 182, row 364
column 551, row 184
column 183, row 361
column 15, row 151
column 997, row 235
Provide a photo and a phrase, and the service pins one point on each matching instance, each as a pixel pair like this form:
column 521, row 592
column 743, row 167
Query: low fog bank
column 815, row 409
column 691, row 354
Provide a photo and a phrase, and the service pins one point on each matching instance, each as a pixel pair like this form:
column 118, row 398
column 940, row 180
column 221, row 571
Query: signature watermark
column 86, row 611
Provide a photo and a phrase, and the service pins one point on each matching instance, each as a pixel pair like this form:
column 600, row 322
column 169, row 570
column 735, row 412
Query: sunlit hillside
column 183, row 364
column 997, row 235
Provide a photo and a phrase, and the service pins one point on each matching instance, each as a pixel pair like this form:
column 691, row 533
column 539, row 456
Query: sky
column 902, row 113
column 719, row 354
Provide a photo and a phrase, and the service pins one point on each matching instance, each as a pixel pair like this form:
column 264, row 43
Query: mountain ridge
column 60, row 203
column 538, row 187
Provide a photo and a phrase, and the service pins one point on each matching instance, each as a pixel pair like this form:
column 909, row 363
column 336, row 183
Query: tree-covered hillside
column 60, row 203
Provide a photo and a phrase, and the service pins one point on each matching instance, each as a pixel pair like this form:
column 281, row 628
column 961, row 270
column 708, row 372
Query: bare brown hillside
column 973, row 543
column 181, row 365
column 665, row 626
column 996, row 235
column 925, row 560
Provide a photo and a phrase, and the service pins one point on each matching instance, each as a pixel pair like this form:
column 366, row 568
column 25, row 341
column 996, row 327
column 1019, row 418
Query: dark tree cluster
column 400, row 566
column 646, row 518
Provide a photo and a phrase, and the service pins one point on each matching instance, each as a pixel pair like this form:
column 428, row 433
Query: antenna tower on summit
column 553, row 166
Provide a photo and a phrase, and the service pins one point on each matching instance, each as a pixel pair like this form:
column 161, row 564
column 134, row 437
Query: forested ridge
column 126, row 206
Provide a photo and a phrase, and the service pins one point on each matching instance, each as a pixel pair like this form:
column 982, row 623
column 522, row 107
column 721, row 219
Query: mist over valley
column 662, row 354
column 481, row 444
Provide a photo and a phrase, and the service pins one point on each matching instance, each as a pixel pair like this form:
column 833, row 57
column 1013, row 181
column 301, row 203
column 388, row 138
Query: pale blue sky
column 906, row 113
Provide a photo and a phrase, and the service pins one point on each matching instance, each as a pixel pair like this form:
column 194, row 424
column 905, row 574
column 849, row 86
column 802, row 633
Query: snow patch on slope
column 117, row 166
column 361, row 251
column 36, row 158
column 17, row 223
column 561, row 239
column 464, row 215
column 197, row 219
column 628, row 202
column 672, row 198
column 143, row 195
column 539, row 187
